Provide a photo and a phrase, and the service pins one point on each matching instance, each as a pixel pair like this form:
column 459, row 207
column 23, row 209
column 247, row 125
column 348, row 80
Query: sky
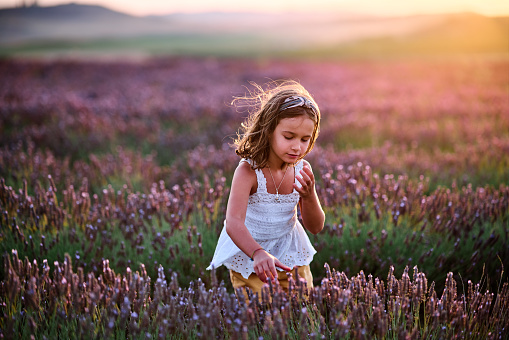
column 371, row 7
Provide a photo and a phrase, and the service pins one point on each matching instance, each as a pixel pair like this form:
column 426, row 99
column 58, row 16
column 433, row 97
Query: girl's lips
column 293, row 156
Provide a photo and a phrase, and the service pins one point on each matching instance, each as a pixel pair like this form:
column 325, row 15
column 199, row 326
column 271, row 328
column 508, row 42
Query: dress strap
column 298, row 167
column 248, row 161
column 262, row 181
column 260, row 178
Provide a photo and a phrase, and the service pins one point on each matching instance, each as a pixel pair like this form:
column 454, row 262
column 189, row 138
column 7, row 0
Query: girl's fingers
column 274, row 273
column 304, row 185
column 261, row 275
column 308, row 172
column 307, row 183
column 302, row 181
column 307, row 175
column 305, row 178
column 271, row 270
column 267, row 272
column 282, row 266
column 301, row 190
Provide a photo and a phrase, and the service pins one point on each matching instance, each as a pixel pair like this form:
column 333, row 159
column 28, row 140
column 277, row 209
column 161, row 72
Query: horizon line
column 261, row 12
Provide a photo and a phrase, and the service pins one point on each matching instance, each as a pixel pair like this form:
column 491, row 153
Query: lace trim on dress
column 262, row 185
column 292, row 198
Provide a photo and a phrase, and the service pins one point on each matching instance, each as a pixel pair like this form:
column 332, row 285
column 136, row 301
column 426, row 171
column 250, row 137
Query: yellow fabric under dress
column 256, row 285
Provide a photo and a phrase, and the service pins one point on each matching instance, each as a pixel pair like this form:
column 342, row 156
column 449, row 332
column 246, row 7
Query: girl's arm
column 311, row 210
column 244, row 181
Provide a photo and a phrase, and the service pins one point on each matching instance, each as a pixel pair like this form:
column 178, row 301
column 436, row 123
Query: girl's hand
column 307, row 181
column 313, row 217
column 265, row 266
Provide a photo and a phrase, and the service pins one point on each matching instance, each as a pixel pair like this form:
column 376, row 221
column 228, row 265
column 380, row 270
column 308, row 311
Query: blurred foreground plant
column 59, row 301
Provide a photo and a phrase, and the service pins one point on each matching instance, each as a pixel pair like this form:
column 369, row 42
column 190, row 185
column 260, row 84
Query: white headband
column 296, row 101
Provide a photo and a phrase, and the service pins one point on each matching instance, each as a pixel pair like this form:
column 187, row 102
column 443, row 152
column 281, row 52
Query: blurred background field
column 438, row 127
column 114, row 149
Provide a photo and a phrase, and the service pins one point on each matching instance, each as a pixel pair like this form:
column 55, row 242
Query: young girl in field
column 262, row 238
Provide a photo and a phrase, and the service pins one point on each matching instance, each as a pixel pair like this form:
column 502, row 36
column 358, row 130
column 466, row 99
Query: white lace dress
column 274, row 225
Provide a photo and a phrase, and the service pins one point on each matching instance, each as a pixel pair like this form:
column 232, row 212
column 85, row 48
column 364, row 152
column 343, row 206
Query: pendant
column 277, row 198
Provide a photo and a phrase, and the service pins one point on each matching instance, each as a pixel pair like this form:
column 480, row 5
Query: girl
column 262, row 238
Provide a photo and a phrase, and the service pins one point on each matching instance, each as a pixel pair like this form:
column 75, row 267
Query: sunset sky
column 374, row 7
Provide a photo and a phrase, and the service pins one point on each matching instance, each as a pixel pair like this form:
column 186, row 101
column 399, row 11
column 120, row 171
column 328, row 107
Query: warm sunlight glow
column 372, row 7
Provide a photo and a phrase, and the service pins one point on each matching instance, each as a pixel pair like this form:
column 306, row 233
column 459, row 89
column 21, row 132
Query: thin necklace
column 277, row 187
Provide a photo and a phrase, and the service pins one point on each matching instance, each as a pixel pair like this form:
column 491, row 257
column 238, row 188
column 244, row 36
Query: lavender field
column 114, row 178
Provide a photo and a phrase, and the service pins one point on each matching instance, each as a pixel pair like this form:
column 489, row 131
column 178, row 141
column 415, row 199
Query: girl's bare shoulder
column 245, row 176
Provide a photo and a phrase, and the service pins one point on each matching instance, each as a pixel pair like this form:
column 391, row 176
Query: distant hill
column 70, row 11
column 86, row 27
column 72, row 21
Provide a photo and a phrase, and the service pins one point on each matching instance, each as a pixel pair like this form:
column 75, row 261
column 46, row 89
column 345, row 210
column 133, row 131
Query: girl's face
column 291, row 138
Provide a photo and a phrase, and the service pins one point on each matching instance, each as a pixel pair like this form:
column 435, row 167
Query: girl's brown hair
column 254, row 141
